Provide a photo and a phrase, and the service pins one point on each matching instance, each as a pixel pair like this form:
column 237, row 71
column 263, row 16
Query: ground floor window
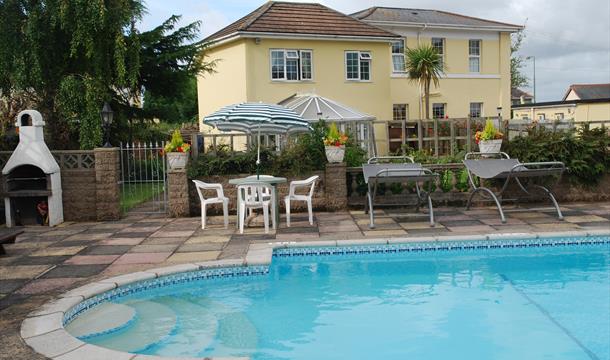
column 439, row 110
column 476, row 110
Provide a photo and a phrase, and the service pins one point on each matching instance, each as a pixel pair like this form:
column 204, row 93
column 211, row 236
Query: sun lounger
column 484, row 166
column 378, row 170
column 8, row 236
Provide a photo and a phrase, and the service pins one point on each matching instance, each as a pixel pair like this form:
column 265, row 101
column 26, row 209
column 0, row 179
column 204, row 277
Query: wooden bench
column 8, row 236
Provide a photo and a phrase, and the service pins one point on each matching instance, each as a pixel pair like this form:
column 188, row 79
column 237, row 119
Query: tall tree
column 169, row 81
column 72, row 55
column 517, row 62
column 425, row 66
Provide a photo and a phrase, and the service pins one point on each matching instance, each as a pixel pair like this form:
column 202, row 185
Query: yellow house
column 284, row 48
column 581, row 103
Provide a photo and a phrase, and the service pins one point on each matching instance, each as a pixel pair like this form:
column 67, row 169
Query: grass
column 134, row 194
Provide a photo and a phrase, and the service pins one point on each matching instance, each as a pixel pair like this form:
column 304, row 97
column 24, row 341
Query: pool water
column 526, row 303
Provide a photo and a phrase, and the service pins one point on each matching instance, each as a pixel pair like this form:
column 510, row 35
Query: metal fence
column 143, row 178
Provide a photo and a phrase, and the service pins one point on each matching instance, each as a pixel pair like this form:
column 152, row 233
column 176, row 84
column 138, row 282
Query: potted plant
column 177, row 151
column 490, row 139
column 334, row 144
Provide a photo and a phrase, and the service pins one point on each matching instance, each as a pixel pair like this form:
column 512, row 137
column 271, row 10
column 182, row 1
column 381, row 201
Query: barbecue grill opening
column 25, row 178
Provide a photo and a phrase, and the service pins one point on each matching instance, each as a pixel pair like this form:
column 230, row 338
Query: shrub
column 584, row 151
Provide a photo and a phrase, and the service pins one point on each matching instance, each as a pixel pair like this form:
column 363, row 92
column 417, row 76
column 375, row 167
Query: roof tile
column 300, row 18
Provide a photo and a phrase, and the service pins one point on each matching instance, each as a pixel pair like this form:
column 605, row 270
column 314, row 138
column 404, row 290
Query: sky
column 570, row 40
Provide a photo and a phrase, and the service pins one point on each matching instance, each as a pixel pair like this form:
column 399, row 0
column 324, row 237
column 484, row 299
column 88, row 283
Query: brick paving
column 44, row 262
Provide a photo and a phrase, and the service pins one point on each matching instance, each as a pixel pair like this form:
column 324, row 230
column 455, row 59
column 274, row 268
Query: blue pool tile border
column 440, row 246
column 415, row 247
column 179, row 278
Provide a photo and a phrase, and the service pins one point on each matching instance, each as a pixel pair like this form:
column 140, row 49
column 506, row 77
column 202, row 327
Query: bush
column 584, row 151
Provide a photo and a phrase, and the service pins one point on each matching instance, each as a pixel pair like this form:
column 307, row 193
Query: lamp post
column 107, row 114
column 533, row 58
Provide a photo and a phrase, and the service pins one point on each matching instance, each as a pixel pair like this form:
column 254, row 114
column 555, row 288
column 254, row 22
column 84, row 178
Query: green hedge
column 584, row 151
column 299, row 158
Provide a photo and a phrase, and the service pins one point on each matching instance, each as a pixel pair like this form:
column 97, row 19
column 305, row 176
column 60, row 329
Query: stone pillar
column 107, row 177
column 335, row 184
column 178, row 193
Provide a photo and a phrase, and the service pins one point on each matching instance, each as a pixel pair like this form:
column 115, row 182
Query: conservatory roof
column 312, row 108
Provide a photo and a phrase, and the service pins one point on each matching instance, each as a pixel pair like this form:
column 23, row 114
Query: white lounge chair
column 252, row 196
column 292, row 196
column 219, row 199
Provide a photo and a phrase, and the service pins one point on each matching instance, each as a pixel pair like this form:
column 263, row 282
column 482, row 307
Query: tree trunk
column 427, row 97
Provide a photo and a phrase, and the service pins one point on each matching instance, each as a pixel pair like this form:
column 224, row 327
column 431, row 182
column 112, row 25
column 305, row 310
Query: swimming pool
column 512, row 299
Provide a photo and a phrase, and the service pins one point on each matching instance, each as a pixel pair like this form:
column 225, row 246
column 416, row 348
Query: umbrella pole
column 258, row 154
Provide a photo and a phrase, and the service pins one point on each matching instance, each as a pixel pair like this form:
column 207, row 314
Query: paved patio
column 46, row 262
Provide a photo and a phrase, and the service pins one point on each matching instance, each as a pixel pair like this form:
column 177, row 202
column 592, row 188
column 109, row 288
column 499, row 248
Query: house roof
column 589, row 91
column 561, row 103
column 516, row 93
column 279, row 17
column 429, row 17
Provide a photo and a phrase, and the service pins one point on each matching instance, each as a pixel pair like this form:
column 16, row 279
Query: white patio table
column 269, row 180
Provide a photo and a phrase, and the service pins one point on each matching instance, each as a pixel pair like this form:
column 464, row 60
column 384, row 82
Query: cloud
column 570, row 40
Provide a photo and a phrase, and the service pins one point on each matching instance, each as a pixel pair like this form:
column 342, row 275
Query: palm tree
column 424, row 65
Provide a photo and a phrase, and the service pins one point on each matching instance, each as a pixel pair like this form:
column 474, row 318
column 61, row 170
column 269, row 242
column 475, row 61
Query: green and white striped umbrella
column 257, row 117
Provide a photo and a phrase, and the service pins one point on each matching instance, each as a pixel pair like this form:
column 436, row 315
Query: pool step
column 198, row 326
column 102, row 319
column 154, row 323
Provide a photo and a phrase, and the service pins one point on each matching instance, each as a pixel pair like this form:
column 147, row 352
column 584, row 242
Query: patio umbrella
column 260, row 117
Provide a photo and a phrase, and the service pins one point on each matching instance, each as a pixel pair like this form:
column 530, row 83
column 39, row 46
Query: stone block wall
column 107, row 176
column 178, row 193
column 79, row 194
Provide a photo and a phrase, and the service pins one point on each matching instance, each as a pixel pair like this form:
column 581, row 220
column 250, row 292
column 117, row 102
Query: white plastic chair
column 294, row 185
column 219, row 199
column 252, row 196
column 266, row 191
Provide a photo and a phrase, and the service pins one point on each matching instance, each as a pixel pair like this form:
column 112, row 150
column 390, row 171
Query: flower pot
column 176, row 160
column 490, row 146
column 335, row 154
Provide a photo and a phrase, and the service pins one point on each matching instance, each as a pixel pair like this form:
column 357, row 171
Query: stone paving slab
column 44, row 262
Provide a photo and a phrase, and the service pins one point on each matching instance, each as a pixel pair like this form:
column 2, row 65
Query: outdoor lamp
column 499, row 108
column 107, row 115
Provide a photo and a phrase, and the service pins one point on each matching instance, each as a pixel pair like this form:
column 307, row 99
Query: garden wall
column 89, row 182
column 330, row 192
column 455, row 191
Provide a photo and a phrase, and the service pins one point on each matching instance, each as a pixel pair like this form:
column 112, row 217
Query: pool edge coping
column 43, row 329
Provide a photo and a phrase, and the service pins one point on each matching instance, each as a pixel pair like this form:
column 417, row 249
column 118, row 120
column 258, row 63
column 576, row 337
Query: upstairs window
column 291, row 65
column 439, row 45
column 358, row 65
column 474, row 56
column 398, row 56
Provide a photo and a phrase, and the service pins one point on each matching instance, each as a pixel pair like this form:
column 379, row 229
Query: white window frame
column 443, row 48
column 480, row 109
column 291, row 54
column 472, row 56
column 444, row 110
column 402, row 107
column 362, row 57
column 398, row 55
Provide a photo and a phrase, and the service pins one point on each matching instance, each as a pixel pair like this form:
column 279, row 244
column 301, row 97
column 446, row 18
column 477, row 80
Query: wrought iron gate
column 143, row 178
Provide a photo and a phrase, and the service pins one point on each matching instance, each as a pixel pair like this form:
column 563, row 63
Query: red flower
column 179, row 149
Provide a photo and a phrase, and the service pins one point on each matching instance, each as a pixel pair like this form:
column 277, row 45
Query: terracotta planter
column 490, row 146
column 176, row 160
column 335, row 154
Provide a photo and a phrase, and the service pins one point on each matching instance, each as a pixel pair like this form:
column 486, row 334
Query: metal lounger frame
column 385, row 176
column 519, row 170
